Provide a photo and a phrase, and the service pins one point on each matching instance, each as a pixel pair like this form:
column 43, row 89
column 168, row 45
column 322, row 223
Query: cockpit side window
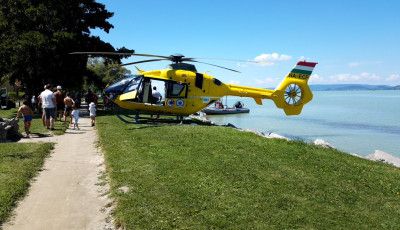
column 133, row 85
column 176, row 90
column 124, row 84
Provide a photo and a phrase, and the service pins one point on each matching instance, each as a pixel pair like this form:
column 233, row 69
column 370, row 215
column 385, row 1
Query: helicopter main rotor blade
column 123, row 54
column 137, row 62
column 223, row 59
column 214, row 65
column 102, row 53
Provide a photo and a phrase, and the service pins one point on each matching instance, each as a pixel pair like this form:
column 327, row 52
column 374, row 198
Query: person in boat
column 219, row 105
column 238, row 104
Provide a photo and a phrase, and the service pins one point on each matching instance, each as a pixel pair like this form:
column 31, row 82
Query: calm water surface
column 353, row 121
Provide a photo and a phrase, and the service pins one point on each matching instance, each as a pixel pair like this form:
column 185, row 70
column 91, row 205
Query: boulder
column 255, row 132
column 384, row 157
column 8, row 128
column 324, row 144
column 274, row 135
column 3, row 131
column 231, row 125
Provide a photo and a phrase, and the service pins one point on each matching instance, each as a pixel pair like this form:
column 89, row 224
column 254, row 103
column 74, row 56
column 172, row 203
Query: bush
column 10, row 104
column 12, row 95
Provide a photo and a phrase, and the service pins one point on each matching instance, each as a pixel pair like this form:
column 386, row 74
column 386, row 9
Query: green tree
column 36, row 37
column 104, row 73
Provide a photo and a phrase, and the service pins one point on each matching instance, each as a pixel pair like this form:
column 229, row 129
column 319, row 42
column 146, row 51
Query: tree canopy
column 36, row 37
column 105, row 72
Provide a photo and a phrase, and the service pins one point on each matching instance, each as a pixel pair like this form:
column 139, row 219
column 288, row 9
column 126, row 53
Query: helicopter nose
column 111, row 91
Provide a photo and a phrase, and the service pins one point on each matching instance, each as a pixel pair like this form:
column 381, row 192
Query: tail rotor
column 293, row 93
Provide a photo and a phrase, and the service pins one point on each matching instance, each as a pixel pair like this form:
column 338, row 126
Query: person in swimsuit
column 27, row 113
column 69, row 102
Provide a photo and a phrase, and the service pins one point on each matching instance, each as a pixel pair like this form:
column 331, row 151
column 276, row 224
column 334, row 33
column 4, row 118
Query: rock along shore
column 378, row 156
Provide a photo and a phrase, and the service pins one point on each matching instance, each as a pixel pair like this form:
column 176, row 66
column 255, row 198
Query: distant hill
column 350, row 87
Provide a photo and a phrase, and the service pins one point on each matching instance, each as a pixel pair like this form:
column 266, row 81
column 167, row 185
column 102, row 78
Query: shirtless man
column 60, row 102
column 27, row 113
column 68, row 101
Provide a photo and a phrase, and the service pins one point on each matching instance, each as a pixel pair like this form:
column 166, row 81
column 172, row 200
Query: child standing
column 75, row 115
column 27, row 112
column 92, row 110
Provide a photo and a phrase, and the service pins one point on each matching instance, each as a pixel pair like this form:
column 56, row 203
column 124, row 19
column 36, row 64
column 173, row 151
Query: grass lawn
column 36, row 124
column 19, row 163
column 207, row 177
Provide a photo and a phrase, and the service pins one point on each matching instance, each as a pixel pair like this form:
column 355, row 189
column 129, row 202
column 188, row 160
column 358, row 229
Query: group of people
column 54, row 105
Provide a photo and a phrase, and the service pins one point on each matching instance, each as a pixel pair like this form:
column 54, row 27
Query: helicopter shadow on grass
column 146, row 123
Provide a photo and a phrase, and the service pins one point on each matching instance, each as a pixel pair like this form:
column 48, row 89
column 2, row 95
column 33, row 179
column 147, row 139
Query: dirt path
column 66, row 194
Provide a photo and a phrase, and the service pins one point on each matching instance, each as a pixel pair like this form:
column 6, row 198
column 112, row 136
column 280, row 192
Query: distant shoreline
column 350, row 87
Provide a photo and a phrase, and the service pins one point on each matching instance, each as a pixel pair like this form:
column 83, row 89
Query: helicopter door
column 201, row 83
column 199, row 80
column 146, row 92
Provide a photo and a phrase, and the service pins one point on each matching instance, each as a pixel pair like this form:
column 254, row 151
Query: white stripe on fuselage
column 204, row 97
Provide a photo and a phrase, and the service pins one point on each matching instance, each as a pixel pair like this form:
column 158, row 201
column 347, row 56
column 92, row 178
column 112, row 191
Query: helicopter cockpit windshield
column 124, row 84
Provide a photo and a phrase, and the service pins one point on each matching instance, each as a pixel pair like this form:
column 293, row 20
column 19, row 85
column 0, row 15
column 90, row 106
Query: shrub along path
column 67, row 194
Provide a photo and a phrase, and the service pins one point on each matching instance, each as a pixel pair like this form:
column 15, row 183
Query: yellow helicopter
column 187, row 91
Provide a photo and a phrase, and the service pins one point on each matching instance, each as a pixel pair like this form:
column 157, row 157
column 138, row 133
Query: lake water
column 357, row 122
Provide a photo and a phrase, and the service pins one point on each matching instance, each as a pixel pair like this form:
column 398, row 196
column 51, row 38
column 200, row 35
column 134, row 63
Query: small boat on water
column 220, row 109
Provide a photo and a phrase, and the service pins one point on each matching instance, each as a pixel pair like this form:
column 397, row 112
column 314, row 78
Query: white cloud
column 315, row 78
column 393, row 77
column 233, row 82
column 351, row 77
column 258, row 81
column 302, row 58
column 266, row 82
column 370, row 76
column 270, row 59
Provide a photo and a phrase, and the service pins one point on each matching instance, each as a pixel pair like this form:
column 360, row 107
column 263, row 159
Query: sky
column 353, row 41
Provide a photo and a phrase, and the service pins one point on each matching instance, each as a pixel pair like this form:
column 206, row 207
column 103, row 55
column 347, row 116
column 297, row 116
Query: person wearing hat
column 92, row 111
column 60, row 103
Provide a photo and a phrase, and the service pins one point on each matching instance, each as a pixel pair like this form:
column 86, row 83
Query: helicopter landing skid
column 129, row 122
column 135, row 116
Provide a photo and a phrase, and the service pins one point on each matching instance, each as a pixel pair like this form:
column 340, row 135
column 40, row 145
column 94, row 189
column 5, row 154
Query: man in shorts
column 68, row 102
column 60, row 102
column 48, row 101
column 27, row 113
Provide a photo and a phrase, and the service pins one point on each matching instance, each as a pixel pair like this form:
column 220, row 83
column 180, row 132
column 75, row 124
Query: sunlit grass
column 37, row 126
column 19, row 163
column 193, row 176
